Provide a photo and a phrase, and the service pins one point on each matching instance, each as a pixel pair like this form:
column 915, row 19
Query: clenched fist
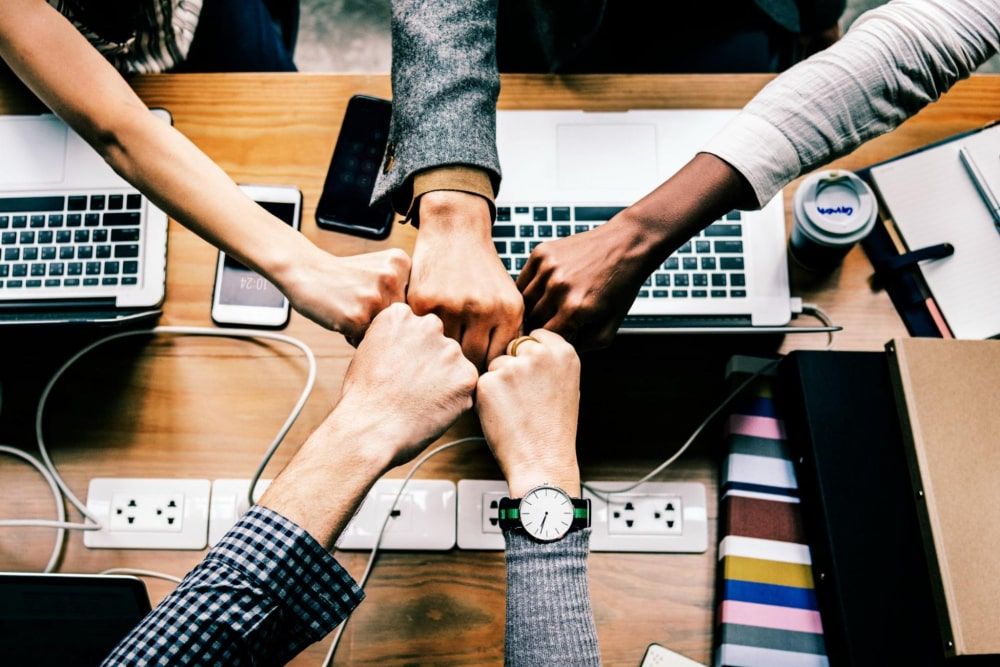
column 407, row 382
column 346, row 293
column 528, row 406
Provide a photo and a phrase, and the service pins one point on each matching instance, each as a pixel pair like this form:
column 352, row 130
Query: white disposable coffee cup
column 832, row 210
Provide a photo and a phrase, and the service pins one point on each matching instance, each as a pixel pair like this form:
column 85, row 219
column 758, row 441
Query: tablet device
column 66, row 619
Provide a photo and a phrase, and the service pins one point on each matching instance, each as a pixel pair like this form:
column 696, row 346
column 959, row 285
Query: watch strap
column 509, row 514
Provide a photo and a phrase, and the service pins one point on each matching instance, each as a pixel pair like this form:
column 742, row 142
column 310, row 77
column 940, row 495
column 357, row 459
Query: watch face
column 546, row 513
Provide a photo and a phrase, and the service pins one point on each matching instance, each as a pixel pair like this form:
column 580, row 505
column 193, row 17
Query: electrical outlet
column 491, row 512
column 645, row 514
column 477, row 515
column 657, row 517
column 148, row 513
column 229, row 503
column 424, row 518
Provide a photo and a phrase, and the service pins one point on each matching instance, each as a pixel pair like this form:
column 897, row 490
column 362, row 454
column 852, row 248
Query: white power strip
column 424, row 519
column 229, row 503
column 656, row 517
column 148, row 513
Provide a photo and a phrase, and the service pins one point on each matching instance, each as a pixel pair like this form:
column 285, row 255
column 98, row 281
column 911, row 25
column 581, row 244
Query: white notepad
column 932, row 200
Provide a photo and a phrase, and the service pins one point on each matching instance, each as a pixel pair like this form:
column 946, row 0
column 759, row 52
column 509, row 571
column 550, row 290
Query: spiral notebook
column 931, row 199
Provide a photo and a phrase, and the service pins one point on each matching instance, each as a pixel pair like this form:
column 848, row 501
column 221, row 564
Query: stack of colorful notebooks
column 767, row 614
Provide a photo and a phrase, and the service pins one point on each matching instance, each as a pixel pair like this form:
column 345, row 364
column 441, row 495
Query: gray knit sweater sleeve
column 894, row 61
column 444, row 91
column 549, row 618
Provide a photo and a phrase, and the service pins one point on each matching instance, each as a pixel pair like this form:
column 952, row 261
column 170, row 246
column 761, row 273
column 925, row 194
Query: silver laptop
column 77, row 243
column 566, row 172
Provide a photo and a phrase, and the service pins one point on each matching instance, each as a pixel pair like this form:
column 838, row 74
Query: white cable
column 820, row 314
column 61, row 523
column 603, row 494
column 142, row 573
column 328, row 660
column 48, row 470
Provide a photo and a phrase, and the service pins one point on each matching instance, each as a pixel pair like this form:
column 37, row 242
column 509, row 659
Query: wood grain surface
column 183, row 407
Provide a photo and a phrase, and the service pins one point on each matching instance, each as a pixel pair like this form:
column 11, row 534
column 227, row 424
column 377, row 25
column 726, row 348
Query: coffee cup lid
column 835, row 207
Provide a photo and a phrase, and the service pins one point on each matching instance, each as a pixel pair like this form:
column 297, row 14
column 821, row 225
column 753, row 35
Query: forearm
column 549, row 617
column 326, row 482
column 893, row 62
column 79, row 85
column 705, row 189
column 444, row 87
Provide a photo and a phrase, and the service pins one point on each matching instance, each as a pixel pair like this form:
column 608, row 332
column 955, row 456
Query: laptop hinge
column 58, row 304
column 684, row 321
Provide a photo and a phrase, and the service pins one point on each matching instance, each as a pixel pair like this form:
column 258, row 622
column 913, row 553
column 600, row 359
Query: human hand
column 582, row 286
column 406, row 384
column 458, row 276
column 528, row 406
column 346, row 293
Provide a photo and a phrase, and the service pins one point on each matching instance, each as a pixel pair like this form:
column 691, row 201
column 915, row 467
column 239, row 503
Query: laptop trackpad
column 34, row 151
column 606, row 156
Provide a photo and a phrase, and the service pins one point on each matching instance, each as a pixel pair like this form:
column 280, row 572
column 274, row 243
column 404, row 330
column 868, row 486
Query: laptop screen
column 66, row 619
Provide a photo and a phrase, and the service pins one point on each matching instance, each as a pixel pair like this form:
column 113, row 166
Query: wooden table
column 198, row 408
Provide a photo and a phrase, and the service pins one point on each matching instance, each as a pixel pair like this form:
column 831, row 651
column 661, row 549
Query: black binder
column 872, row 580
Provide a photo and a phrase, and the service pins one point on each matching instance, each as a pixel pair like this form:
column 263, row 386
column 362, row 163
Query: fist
column 528, row 406
column 346, row 293
column 407, row 381
column 458, row 276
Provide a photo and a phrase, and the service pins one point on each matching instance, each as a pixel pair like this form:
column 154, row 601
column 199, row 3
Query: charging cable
column 61, row 491
column 328, row 660
column 808, row 308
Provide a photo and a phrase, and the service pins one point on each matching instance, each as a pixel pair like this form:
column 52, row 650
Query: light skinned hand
column 346, row 293
column 407, row 383
column 458, row 276
column 582, row 286
column 528, row 406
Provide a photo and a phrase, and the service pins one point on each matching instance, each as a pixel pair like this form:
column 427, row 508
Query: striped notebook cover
column 767, row 614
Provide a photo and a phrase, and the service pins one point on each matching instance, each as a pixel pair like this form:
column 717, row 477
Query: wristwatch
column 545, row 513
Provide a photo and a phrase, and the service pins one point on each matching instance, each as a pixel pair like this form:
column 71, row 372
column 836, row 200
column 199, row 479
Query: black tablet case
column 872, row 580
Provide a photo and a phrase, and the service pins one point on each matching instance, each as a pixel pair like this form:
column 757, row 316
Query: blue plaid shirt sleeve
column 263, row 593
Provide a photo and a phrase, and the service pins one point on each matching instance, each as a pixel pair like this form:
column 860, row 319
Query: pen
column 989, row 197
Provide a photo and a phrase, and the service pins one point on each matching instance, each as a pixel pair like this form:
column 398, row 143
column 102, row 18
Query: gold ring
column 516, row 343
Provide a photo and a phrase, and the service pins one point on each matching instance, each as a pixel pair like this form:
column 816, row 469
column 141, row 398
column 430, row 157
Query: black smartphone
column 344, row 204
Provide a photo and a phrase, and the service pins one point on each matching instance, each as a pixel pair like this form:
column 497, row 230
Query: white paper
column 933, row 200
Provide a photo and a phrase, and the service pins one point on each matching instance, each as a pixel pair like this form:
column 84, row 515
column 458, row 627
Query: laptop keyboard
column 71, row 242
column 709, row 266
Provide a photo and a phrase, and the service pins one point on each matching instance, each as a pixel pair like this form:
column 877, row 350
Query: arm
column 528, row 406
column 445, row 85
column 893, row 62
column 896, row 59
column 71, row 77
column 270, row 588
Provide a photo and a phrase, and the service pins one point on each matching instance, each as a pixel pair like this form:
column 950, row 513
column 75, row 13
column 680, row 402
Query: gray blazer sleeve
column 549, row 617
column 444, row 87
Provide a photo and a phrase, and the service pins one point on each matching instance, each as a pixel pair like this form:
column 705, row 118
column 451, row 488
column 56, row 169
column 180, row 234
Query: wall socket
column 424, row 518
column 148, row 513
column 478, row 503
column 658, row 517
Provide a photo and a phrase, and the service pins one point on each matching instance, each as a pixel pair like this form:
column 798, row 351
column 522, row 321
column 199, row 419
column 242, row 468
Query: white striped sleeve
column 894, row 61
